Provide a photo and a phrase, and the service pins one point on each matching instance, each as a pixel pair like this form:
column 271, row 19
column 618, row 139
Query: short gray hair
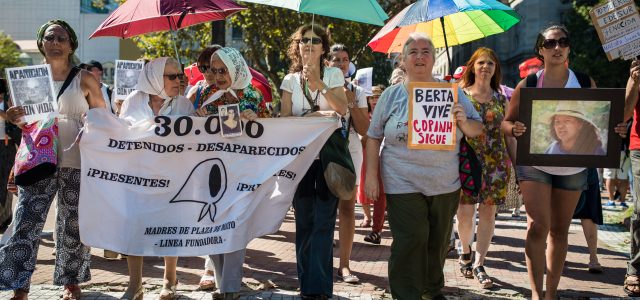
column 416, row 36
column 173, row 61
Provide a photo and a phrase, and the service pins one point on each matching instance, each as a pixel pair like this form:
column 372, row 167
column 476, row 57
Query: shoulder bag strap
column 74, row 71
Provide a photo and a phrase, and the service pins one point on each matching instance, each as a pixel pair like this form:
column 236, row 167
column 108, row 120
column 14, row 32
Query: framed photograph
column 570, row 127
column 230, row 124
column 432, row 125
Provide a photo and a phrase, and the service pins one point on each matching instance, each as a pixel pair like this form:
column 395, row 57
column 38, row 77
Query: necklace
column 313, row 103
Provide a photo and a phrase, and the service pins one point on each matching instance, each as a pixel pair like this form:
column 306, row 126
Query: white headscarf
column 151, row 82
column 238, row 71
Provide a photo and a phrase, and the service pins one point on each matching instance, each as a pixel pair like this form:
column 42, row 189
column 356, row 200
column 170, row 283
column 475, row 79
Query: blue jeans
column 633, row 267
column 315, row 212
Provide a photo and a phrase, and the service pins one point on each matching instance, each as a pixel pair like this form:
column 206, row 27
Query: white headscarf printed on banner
column 151, row 82
column 238, row 71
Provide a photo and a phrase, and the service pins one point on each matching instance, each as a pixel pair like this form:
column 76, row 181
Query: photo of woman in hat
column 572, row 131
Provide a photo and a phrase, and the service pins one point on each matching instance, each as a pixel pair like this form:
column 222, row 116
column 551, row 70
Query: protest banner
column 618, row 25
column 431, row 122
column 126, row 77
column 32, row 88
column 173, row 186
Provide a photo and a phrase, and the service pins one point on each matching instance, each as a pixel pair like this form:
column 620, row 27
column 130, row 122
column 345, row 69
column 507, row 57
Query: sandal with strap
column 168, row 291
column 483, row 278
column 373, row 237
column 207, row 282
column 466, row 265
column 19, row 295
column 632, row 285
column 71, row 292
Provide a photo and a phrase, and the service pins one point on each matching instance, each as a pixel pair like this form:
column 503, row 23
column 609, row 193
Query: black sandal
column 466, row 268
column 373, row 237
column 483, row 278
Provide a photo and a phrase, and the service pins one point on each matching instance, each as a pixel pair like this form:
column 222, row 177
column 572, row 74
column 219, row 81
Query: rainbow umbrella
column 447, row 22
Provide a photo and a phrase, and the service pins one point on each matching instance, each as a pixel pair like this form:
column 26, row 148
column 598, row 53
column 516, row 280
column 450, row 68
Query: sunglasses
column 60, row 38
column 313, row 40
column 551, row 43
column 174, row 76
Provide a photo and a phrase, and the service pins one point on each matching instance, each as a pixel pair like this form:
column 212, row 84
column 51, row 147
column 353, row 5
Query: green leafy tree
column 587, row 55
column 267, row 30
column 9, row 53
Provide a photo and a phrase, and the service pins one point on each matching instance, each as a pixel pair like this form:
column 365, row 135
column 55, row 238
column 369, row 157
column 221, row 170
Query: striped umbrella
column 447, row 22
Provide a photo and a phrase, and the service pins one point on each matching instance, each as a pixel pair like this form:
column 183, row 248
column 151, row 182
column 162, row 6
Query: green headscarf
column 73, row 39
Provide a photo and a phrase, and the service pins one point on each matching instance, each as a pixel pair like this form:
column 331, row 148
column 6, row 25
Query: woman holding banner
column 313, row 90
column 57, row 42
column 232, row 79
column 156, row 94
column 420, row 211
column 481, row 83
column 550, row 194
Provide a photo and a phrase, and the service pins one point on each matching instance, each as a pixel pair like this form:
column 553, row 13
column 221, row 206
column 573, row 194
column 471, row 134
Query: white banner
column 174, row 187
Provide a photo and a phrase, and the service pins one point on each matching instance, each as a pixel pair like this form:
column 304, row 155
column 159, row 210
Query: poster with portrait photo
column 570, row 127
column 230, row 124
column 126, row 77
column 32, row 88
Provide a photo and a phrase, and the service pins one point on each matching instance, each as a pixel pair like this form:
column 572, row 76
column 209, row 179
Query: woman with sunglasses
column 232, row 84
column 57, row 42
column 157, row 94
column 550, row 194
column 202, row 90
column 313, row 90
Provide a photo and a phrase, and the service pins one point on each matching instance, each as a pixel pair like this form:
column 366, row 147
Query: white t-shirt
column 291, row 83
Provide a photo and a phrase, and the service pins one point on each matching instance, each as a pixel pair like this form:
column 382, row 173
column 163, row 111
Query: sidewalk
column 270, row 268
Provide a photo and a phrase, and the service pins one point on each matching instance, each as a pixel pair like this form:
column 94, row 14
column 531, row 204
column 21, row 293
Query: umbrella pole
column 175, row 46
column 446, row 46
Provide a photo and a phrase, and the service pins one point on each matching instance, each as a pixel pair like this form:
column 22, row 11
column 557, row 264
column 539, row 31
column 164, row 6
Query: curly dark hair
column 541, row 38
column 294, row 53
column 588, row 141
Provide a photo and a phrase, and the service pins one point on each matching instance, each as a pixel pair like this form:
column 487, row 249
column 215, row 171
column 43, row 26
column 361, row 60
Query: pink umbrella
column 136, row 17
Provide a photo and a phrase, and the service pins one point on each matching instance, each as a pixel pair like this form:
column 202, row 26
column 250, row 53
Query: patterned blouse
column 249, row 98
column 491, row 150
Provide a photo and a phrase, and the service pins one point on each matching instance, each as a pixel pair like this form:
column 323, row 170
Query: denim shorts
column 575, row 182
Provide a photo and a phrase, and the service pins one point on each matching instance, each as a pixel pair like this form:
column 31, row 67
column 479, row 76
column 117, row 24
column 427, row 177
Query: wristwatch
column 324, row 90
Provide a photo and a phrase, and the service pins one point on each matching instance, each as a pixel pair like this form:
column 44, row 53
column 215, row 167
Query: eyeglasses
column 552, row 43
column 220, row 71
column 174, row 76
column 337, row 60
column 313, row 40
column 203, row 68
column 60, row 38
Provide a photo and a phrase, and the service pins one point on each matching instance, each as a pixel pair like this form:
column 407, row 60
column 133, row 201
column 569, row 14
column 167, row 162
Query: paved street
column 270, row 269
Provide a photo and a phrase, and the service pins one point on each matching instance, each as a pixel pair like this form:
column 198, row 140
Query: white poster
column 174, row 186
column 364, row 79
column 126, row 77
column 32, row 88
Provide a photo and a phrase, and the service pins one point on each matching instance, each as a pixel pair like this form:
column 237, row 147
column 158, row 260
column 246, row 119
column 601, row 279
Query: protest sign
column 32, row 88
column 618, row 25
column 126, row 77
column 173, row 186
column 431, row 122
column 364, row 79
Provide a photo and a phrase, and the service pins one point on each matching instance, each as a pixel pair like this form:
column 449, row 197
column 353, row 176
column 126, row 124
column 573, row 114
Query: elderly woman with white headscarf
column 233, row 85
column 157, row 94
